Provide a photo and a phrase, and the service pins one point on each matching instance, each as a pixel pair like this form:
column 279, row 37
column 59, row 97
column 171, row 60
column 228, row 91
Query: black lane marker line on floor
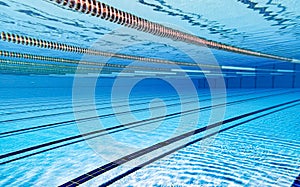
column 100, row 170
column 28, row 101
column 74, row 142
column 55, row 102
column 82, row 139
column 14, row 132
column 97, row 102
column 115, row 179
column 70, row 103
column 120, row 126
column 85, row 110
column 118, row 129
column 64, row 113
column 59, row 124
column 41, row 103
column 296, row 182
column 53, row 125
column 83, row 100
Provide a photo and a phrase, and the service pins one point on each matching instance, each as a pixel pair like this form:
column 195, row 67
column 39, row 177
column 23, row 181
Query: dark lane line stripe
column 78, row 141
column 83, row 139
column 5, row 134
column 83, row 100
column 28, row 101
column 128, row 124
column 39, row 103
column 118, row 129
column 31, row 129
column 64, row 123
column 62, row 113
column 53, row 108
column 188, row 144
column 60, row 101
column 42, row 103
column 71, row 103
column 296, row 182
column 107, row 167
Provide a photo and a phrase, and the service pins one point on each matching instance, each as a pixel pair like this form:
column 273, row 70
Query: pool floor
column 168, row 142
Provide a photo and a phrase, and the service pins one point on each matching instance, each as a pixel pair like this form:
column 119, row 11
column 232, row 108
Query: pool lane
column 10, row 107
column 31, row 110
column 235, row 157
column 103, row 169
column 69, row 130
column 186, row 100
column 54, row 138
column 88, row 157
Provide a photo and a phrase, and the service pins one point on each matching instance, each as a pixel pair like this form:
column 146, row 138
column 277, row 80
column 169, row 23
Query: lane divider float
column 104, row 11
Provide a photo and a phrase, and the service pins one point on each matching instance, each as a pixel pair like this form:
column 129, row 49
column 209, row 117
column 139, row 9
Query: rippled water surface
column 261, row 151
column 159, row 112
column 266, row 26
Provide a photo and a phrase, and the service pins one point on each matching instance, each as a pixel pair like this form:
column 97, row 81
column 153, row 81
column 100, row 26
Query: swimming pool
column 149, row 93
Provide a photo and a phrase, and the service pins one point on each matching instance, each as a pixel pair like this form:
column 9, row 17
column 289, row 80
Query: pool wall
column 286, row 80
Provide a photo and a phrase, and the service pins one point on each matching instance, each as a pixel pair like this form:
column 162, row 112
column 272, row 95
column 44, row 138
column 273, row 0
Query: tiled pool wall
column 280, row 80
column 287, row 80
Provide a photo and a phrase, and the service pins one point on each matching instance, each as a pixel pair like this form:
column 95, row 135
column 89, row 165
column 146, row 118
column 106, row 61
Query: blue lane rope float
column 104, row 11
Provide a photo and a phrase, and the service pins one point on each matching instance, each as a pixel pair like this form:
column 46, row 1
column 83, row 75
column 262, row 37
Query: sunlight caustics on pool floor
column 149, row 93
column 35, row 152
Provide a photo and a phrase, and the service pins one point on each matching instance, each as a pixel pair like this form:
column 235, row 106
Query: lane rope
column 107, row 167
column 104, row 11
column 30, row 41
column 12, row 54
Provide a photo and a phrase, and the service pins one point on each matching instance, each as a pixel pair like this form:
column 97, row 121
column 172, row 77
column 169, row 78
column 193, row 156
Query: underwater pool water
column 262, row 150
column 149, row 93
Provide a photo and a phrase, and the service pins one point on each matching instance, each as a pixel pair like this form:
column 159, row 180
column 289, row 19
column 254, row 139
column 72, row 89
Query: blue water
column 263, row 151
column 144, row 123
